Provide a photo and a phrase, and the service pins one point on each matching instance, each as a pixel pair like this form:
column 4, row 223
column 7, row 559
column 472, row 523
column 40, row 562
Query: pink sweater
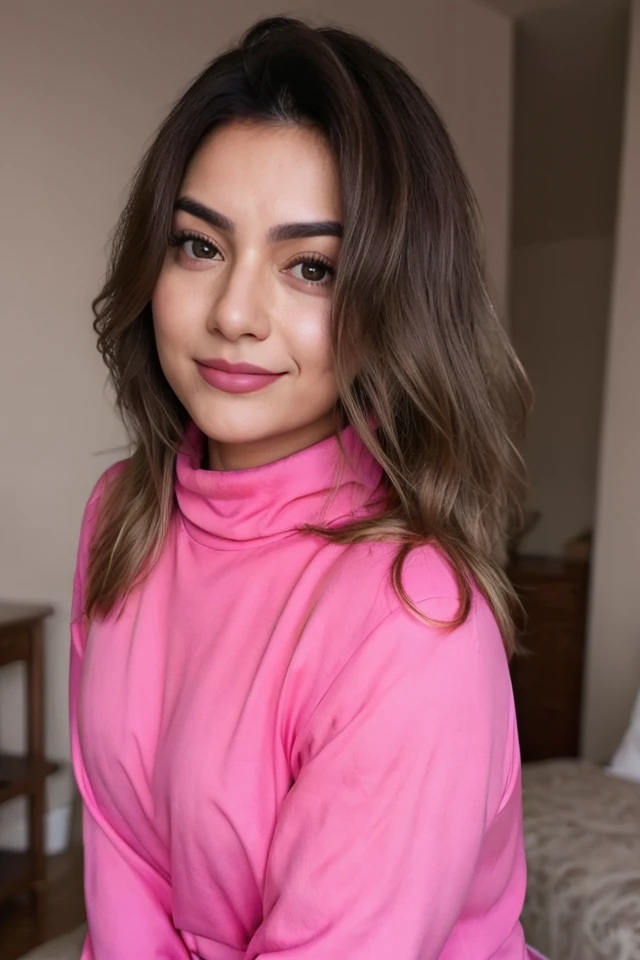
column 277, row 760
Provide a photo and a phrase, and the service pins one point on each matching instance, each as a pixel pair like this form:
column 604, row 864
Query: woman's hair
column 438, row 396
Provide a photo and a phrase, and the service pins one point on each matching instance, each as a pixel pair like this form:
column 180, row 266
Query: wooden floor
column 64, row 911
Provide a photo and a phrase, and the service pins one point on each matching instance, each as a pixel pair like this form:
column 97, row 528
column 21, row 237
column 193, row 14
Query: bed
column 582, row 825
column 582, row 836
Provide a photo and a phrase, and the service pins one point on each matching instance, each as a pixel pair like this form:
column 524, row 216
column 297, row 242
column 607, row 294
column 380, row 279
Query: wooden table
column 21, row 638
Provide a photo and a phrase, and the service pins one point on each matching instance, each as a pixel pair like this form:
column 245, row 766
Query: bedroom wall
column 82, row 88
column 560, row 309
column 569, row 83
column 613, row 667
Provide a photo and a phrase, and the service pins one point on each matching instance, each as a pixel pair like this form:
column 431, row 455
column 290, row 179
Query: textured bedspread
column 582, row 834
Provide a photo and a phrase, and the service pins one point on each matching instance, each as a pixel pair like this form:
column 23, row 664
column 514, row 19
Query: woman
column 292, row 721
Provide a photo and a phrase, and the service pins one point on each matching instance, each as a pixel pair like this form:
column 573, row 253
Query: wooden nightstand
column 21, row 638
column 547, row 680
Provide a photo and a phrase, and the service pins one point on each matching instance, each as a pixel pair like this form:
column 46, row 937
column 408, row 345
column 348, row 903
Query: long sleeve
column 128, row 903
column 401, row 835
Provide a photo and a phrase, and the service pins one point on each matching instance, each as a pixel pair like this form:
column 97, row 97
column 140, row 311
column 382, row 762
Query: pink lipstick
column 235, row 377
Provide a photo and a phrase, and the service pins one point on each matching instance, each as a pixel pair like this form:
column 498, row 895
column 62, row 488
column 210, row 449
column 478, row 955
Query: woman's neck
column 244, row 456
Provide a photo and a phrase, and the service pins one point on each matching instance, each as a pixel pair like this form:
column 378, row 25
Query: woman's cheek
column 175, row 312
column 312, row 338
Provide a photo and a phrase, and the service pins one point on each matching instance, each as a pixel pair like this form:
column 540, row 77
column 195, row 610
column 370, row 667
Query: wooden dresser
column 21, row 638
column 547, row 678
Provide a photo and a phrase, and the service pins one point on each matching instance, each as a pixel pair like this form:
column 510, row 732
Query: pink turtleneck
column 276, row 759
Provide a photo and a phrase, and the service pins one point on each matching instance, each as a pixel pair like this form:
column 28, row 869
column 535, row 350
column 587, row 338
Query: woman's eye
column 199, row 249
column 313, row 271
column 193, row 246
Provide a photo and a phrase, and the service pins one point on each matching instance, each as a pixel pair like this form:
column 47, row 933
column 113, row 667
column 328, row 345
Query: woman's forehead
column 281, row 171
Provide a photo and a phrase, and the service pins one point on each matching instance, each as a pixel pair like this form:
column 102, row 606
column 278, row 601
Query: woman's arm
column 128, row 903
column 401, row 836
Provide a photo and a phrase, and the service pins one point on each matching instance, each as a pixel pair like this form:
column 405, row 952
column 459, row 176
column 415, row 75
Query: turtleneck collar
column 238, row 509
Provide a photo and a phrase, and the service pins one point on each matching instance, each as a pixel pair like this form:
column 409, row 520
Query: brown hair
column 438, row 395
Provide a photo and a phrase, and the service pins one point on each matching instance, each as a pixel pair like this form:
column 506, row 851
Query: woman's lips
column 236, row 378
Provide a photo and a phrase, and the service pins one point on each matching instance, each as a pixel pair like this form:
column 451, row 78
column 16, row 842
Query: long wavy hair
column 438, row 395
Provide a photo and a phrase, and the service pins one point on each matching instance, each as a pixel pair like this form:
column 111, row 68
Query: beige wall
column 569, row 92
column 613, row 672
column 82, row 88
column 570, row 74
column 560, row 308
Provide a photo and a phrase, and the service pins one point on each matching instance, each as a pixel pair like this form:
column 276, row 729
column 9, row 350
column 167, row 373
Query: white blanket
column 68, row 947
column 582, row 835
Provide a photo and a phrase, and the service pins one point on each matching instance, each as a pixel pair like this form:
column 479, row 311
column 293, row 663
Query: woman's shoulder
column 360, row 605
column 362, row 632
column 105, row 479
column 368, row 602
column 87, row 530
column 427, row 574
column 102, row 484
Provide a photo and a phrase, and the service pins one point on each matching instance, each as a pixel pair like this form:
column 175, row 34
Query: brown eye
column 193, row 246
column 314, row 272
column 200, row 249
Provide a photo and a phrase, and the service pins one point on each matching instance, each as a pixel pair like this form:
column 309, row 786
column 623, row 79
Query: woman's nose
column 240, row 306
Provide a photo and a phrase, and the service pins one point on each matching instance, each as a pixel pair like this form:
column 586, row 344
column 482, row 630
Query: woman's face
column 247, row 280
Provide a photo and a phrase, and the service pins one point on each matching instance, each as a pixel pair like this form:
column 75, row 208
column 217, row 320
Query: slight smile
column 235, row 377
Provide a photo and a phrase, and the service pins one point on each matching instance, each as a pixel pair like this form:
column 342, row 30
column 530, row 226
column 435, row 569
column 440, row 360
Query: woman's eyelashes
column 201, row 247
column 316, row 270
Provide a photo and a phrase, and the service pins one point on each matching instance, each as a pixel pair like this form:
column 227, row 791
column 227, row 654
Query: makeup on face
column 235, row 377
column 242, row 305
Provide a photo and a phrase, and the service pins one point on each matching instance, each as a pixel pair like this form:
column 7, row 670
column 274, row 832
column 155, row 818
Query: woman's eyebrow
column 300, row 231
column 277, row 234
